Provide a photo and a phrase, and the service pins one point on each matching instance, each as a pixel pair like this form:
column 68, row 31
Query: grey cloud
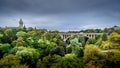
column 60, row 14
column 55, row 6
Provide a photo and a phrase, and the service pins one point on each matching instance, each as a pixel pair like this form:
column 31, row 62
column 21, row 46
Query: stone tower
column 20, row 23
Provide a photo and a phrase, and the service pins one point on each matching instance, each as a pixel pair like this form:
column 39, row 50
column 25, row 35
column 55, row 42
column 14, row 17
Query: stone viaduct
column 66, row 35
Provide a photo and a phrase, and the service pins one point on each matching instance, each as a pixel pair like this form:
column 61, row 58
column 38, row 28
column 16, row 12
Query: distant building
column 116, row 27
column 21, row 24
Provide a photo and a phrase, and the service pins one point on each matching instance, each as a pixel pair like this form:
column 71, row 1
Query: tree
column 105, row 45
column 51, row 36
column 11, row 61
column 99, row 42
column 104, row 37
column 31, row 33
column 97, row 37
column 4, row 49
column 76, row 46
column 30, row 41
column 68, row 49
column 28, row 56
column 47, row 61
column 1, row 35
column 8, row 36
column 21, row 34
column 45, row 46
column 98, row 30
column 114, row 38
column 83, row 40
column 89, row 31
column 16, row 49
column 68, row 41
column 59, row 50
column 93, row 57
column 112, row 59
column 68, row 61
column 30, row 28
column 91, row 41
column 19, row 42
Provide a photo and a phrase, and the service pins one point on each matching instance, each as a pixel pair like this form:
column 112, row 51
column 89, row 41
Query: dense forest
column 39, row 48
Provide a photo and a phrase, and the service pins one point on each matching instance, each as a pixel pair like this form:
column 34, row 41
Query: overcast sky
column 60, row 15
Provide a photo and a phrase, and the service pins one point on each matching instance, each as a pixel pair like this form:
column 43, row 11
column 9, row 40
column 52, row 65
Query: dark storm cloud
column 57, row 6
column 61, row 14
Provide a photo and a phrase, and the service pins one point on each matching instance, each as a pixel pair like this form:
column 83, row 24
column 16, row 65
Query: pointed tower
column 20, row 23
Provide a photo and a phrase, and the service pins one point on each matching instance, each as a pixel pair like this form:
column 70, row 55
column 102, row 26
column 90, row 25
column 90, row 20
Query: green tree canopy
column 19, row 42
column 21, row 34
column 68, row 61
column 93, row 57
column 4, row 49
column 104, row 37
column 27, row 55
column 115, row 38
column 11, row 61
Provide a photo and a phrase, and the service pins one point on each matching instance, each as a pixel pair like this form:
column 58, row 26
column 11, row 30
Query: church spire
column 21, row 23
